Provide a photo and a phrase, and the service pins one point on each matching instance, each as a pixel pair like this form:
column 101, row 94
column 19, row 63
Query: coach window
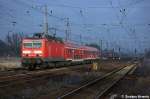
column 66, row 51
column 84, row 52
column 92, row 52
column 69, row 51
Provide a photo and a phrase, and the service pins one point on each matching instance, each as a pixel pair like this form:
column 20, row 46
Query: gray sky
column 121, row 23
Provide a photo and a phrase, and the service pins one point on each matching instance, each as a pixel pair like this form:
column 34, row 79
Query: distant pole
column 113, row 54
column 54, row 32
column 107, row 45
column 119, row 52
column 145, row 52
column 80, row 38
column 101, row 49
column 46, row 20
column 135, row 51
column 101, row 44
column 68, row 31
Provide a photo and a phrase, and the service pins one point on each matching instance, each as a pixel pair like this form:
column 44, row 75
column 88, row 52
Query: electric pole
column 119, row 52
column 101, row 46
column 68, row 31
column 46, row 20
column 113, row 52
column 135, row 51
column 54, row 32
column 145, row 52
column 107, row 45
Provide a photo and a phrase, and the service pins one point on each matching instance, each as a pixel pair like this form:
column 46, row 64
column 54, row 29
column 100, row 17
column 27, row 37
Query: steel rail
column 14, row 79
column 73, row 92
column 106, row 90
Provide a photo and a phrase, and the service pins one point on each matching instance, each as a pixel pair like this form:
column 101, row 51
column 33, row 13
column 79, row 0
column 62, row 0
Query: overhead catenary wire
column 128, row 29
column 81, row 12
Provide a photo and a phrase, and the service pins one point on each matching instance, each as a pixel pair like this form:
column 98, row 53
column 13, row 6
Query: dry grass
column 136, row 84
column 8, row 63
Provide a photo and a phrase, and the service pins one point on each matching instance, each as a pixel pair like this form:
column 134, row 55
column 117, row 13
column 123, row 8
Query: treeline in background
column 11, row 46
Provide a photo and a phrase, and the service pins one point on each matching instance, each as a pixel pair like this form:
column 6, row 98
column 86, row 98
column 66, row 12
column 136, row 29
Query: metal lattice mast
column 46, row 20
column 68, row 31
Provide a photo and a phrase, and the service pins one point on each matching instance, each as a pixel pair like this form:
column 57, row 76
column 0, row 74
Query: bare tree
column 13, row 41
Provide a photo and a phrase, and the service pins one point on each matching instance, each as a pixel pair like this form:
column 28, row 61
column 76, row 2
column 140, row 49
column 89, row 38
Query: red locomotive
column 41, row 49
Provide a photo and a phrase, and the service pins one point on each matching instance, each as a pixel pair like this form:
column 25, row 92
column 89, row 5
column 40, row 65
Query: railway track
column 17, row 71
column 98, row 87
column 6, row 81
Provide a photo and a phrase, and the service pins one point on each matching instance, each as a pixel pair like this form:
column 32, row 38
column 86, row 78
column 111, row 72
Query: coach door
column 73, row 54
column 62, row 51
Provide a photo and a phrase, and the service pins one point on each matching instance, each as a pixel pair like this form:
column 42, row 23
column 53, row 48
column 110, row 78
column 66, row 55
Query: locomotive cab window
column 37, row 44
column 28, row 45
column 32, row 44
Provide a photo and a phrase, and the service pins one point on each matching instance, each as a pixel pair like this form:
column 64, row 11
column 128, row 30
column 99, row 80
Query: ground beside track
column 8, row 63
column 59, row 82
column 136, row 84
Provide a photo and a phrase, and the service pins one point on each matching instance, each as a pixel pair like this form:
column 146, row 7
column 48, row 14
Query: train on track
column 42, row 50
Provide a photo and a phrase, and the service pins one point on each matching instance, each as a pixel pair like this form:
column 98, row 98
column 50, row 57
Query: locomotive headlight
column 26, row 52
column 38, row 52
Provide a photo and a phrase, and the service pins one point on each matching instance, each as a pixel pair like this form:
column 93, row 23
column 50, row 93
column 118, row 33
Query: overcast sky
column 121, row 23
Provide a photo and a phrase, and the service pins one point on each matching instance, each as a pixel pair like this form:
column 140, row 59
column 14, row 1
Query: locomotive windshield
column 28, row 45
column 33, row 44
column 37, row 44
